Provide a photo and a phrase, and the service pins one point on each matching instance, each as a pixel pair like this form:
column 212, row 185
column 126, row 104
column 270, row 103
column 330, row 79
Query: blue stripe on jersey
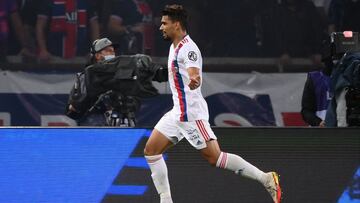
column 182, row 89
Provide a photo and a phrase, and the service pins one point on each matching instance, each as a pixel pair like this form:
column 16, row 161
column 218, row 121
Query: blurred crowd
column 40, row 30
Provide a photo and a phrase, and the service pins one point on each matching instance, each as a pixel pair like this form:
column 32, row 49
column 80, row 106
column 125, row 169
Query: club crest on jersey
column 192, row 56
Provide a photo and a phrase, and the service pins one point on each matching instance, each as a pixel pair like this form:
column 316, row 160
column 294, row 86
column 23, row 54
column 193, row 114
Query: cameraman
column 108, row 91
column 80, row 101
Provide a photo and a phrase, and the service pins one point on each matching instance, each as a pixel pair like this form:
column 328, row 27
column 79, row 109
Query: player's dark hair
column 176, row 13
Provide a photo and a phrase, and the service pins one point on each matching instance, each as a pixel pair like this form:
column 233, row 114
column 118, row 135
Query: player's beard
column 166, row 37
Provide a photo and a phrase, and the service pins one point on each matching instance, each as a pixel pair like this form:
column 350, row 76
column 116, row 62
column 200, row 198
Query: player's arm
column 192, row 60
column 194, row 76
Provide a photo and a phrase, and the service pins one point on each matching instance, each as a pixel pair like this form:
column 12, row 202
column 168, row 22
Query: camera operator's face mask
column 108, row 57
column 106, row 54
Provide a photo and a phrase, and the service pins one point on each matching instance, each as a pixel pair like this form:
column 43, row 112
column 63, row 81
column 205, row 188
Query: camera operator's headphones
column 100, row 44
column 92, row 48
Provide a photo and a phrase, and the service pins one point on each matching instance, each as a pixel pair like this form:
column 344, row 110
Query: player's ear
column 177, row 25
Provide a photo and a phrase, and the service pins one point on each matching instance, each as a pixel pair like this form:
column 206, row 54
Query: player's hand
column 194, row 82
column 322, row 124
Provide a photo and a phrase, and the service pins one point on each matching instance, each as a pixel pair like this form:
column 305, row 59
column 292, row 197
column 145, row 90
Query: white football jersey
column 189, row 105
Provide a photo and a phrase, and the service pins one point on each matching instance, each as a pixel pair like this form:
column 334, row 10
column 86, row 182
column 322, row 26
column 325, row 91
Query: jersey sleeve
column 191, row 56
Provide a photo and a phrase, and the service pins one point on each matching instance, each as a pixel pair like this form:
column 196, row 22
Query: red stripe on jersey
column 181, row 96
column 184, row 41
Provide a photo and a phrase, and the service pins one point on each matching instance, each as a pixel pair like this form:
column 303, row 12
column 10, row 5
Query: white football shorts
column 196, row 132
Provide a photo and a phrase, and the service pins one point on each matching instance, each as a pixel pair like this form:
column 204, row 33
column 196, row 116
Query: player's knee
column 212, row 161
column 150, row 151
column 147, row 151
column 211, row 157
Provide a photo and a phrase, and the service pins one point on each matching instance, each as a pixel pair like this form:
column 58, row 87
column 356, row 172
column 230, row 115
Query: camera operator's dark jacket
column 127, row 75
column 346, row 74
column 315, row 97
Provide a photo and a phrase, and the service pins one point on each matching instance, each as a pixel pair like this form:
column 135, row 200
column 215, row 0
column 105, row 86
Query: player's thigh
column 164, row 135
column 157, row 143
column 212, row 151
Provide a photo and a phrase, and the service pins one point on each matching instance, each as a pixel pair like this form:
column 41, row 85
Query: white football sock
column 159, row 174
column 237, row 164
